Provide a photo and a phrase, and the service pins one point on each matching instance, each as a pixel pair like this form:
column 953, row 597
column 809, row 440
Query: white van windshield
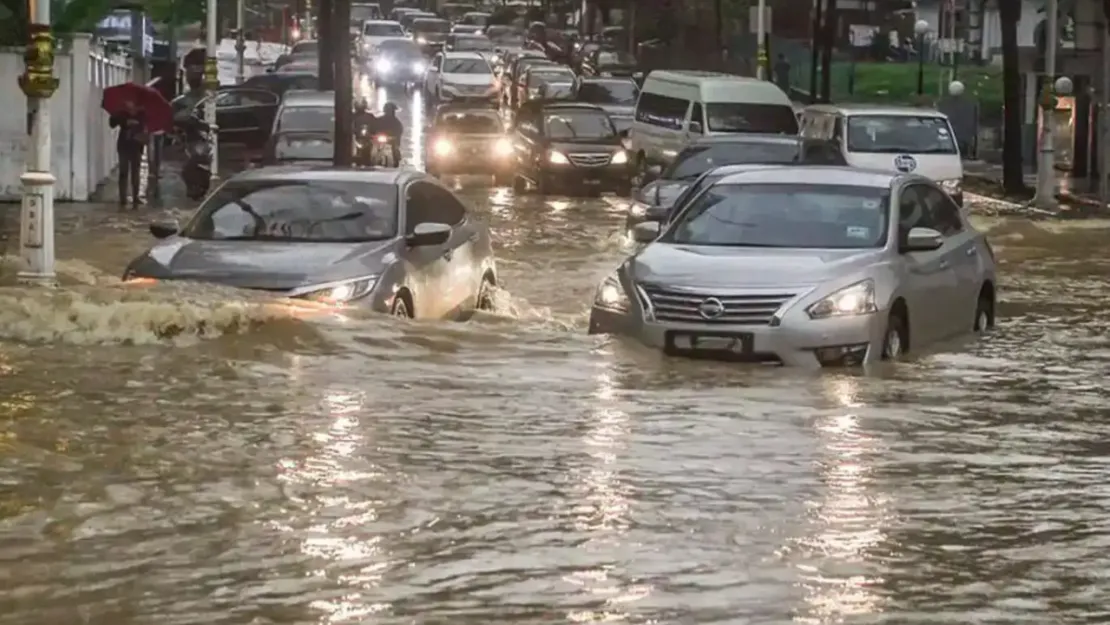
column 897, row 134
column 774, row 119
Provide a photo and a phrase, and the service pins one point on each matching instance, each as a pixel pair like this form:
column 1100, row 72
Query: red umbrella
column 156, row 109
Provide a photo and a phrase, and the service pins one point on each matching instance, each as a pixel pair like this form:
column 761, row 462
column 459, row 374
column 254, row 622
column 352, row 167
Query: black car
column 280, row 82
column 398, row 62
column 430, row 34
column 653, row 201
column 244, row 116
column 616, row 95
column 469, row 140
column 609, row 63
column 563, row 146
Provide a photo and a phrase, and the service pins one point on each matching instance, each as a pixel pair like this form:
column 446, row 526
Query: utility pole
column 212, row 84
column 1046, row 163
column 325, row 32
column 829, row 42
column 815, row 46
column 36, row 231
column 240, row 45
column 761, row 40
column 344, row 86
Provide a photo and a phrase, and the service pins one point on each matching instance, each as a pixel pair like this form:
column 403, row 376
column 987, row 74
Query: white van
column 888, row 138
column 677, row 107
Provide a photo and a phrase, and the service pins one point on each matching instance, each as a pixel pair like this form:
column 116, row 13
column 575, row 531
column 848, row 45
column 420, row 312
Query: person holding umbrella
column 137, row 110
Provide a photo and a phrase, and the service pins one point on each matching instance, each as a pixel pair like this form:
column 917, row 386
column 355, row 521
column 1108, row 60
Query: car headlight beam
column 620, row 158
column 503, row 147
column 442, row 147
column 557, row 158
column 611, row 295
column 854, row 299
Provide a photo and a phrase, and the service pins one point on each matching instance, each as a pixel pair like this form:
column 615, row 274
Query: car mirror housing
column 429, row 233
column 164, row 229
column 646, row 232
column 923, row 240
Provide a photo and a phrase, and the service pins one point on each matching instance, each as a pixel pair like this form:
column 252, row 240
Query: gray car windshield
column 785, row 216
column 298, row 147
column 571, row 125
column 898, row 134
column 697, row 160
column 297, row 210
column 382, row 29
column 307, row 118
column 466, row 66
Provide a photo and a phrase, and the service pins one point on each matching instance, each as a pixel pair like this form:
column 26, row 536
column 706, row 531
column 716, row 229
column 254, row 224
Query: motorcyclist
column 389, row 125
column 364, row 120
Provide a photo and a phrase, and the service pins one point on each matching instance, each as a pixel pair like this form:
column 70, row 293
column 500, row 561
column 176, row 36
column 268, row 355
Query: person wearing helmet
column 365, row 125
column 391, row 126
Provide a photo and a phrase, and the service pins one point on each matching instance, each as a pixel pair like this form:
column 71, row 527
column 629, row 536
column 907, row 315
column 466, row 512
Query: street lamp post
column 1045, row 197
column 761, row 39
column 919, row 29
column 212, row 84
column 36, row 232
column 240, row 45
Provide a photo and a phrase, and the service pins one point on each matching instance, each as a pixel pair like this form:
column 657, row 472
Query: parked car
column 609, row 64
column 616, row 95
column 813, row 266
column 394, row 241
column 469, row 140
column 568, row 147
column 460, row 76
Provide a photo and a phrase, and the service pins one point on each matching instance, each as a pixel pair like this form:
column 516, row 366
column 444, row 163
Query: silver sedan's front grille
column 589, row 160
column 691, row 307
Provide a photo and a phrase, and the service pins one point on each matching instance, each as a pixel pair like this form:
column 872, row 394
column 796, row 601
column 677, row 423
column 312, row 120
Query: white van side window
column 660, row 110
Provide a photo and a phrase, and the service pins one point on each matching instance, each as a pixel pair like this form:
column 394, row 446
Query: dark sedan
column 394, row 241
column 399, row 62
column 617, row 96
column 654, row 199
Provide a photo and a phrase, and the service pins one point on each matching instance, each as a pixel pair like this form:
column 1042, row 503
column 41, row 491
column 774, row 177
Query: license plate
column 716, row 345
column 592, row 181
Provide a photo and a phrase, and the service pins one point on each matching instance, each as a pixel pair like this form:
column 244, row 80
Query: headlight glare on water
column 855, row 299
column 341, row 292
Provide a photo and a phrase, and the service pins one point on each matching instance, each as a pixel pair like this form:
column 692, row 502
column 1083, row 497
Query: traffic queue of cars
column 834, row 237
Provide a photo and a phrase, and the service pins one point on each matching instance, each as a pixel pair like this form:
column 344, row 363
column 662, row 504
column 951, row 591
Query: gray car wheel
column 894, row 342
column 400, row 308
column 485, row 295
column 984, row 313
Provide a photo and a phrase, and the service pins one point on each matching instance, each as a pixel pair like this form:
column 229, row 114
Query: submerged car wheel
column 895, row 342
column 984, row 312
column 485, row 295
column 400, row 308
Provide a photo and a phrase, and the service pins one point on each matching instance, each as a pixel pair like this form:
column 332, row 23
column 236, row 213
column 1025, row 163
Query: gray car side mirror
column 923, row 240
column 429, row 233
column 646, row 232
column 164, row 229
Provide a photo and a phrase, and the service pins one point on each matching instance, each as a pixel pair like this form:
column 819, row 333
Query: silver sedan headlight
column 611, row 296
column 338, row 292
column 854, row 299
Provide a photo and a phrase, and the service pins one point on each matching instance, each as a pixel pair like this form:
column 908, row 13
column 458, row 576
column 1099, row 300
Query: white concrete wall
column 83, row 153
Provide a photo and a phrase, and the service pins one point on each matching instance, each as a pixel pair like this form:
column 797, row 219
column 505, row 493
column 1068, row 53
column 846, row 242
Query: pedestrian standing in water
column 130, row 144
column 782, row 73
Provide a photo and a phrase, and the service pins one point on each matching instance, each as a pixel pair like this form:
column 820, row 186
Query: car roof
column 873, row 109
column 323, row 173
column 814, row 175
column 747, row 138
column 425, row 20
column 306, row 97
column 597, row 80
column 564, row 105
column 464, row 54
column 388, row 22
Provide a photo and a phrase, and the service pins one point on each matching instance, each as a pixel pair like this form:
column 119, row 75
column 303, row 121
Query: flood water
column 189, row 455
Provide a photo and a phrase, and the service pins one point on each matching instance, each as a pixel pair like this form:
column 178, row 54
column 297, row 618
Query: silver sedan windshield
column 786, row 216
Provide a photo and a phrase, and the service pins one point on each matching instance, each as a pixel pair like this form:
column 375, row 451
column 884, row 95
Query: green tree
column 67, row 17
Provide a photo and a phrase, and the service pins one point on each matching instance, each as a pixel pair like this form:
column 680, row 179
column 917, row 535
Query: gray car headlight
column 951, row 186
column 854, row 299
column 611, row 296
column 339, row 292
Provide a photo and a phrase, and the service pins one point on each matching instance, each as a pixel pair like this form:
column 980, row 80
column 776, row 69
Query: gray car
column 395, row 241
column 811, row 266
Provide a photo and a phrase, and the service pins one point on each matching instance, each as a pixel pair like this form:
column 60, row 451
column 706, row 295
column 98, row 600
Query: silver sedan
column 395, row 241
column 811, row 266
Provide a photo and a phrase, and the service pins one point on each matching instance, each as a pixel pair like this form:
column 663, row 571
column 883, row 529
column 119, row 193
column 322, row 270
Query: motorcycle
column 381, row 152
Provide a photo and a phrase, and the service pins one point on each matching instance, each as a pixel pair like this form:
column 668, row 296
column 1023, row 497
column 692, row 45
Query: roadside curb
column 1072, row 206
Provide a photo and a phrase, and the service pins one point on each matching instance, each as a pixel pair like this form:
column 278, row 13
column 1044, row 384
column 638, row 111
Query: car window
column 297, row 210
column 469, row 123
column 257, row 97
column 309, row 118
column 707, row 180
column 698, row 159
column 896, row 134
column 922, row 206
column 429, row 203
column 574, row 124
column 697, row 116
column 785, row 215
column 228, row 98
column 382, row 29
column 466, row 66
column 303, row 147
column 661, row 110
column 431, row 26
column 610, row 92
column 614, row 57
column 746, row 117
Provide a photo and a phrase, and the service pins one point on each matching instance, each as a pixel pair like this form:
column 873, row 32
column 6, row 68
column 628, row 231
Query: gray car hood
column 264, row 264
column 698, row 266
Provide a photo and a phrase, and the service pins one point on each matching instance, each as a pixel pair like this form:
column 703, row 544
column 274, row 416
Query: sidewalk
column 1073, row 193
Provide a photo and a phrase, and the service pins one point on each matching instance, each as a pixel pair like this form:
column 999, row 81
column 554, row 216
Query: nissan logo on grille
column 711, row 308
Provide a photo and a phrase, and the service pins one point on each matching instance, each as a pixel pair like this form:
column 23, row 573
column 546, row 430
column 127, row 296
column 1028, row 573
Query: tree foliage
column 66, row 17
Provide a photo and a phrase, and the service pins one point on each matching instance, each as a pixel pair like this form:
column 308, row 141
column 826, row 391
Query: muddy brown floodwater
column 284, row 469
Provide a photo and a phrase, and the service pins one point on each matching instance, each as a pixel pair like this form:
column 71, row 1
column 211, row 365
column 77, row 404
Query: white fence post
column 82, row 90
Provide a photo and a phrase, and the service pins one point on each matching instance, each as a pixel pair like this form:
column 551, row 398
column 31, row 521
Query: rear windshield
column 360, row 12
column 695, row 161
column 470, row 123
column 615, row 58
column 431, row 26
column 466, row 66
column 379, row 29
column 307, row 118
column 473, row 44
column 777, row 119
column 898, row 134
